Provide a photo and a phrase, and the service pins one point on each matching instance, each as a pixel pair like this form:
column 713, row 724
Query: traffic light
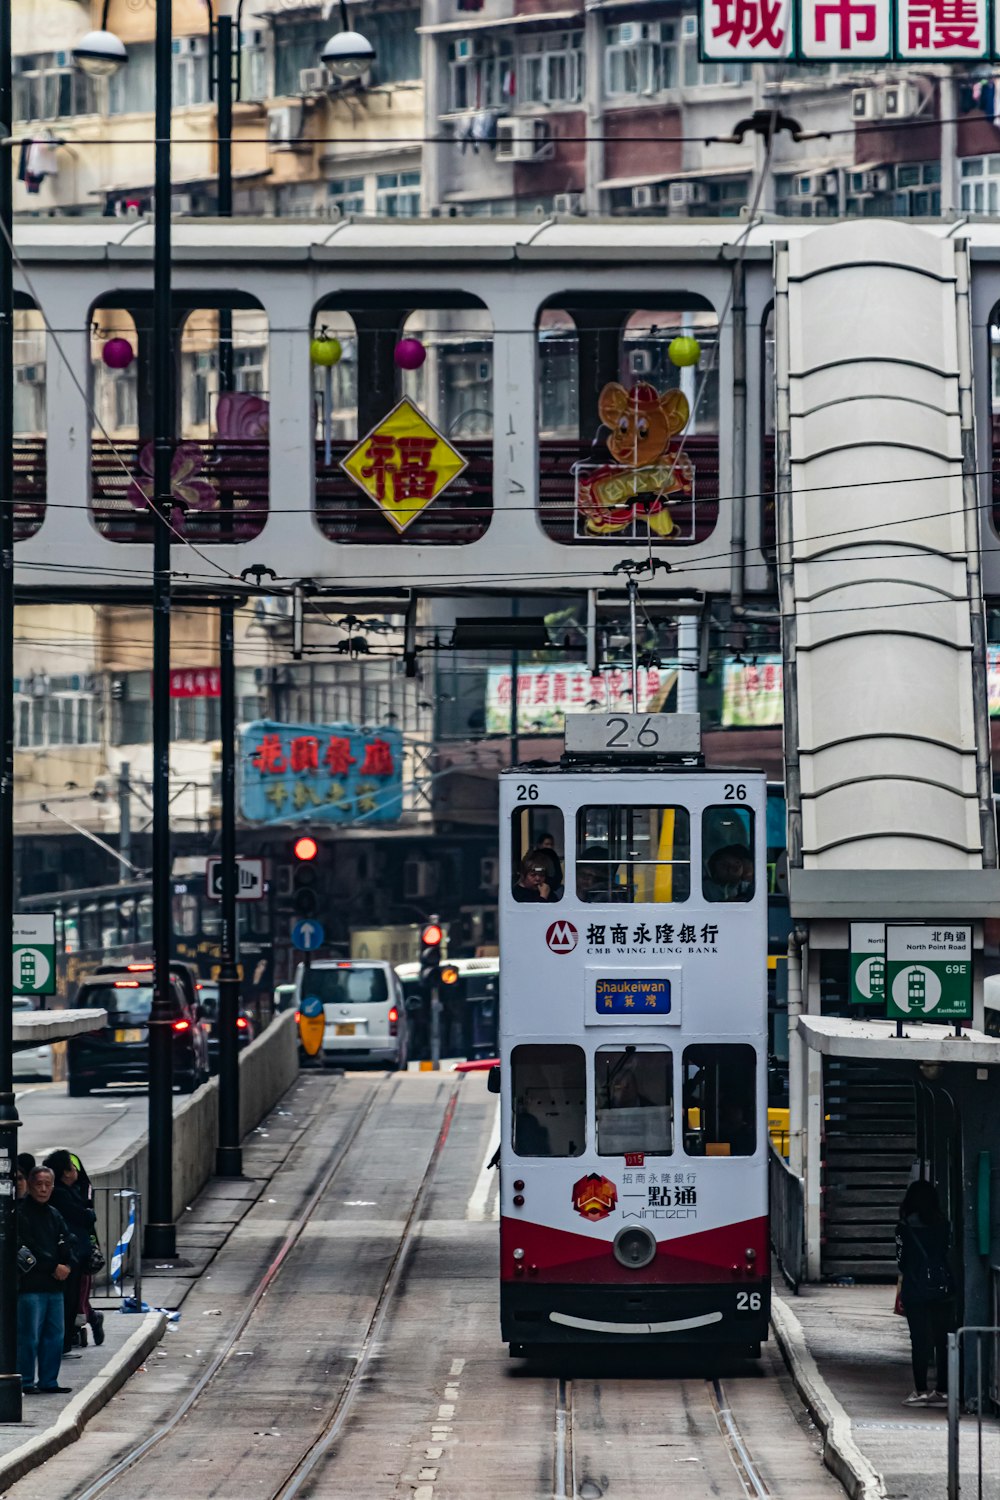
column 305, row 899
column 430, row 953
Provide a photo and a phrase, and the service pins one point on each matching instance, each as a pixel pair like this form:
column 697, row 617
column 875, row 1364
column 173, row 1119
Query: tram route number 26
column 527, row 793
column 748, row 1301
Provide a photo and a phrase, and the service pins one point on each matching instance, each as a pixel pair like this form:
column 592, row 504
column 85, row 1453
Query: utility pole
column 10, row 1380
column 160, row 1235
column 124, row 821
column 229, row 1155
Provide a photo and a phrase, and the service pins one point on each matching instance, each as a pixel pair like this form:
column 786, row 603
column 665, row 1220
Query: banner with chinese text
column 752, row 693
column 545, row 694
column 845, row 30
column 325, row 773
column 993, row 680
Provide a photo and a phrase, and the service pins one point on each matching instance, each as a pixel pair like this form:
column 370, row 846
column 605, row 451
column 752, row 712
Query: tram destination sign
column 928, row 973
column 633, row 734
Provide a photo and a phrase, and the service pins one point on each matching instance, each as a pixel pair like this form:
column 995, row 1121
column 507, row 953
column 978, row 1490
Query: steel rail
column 754, row 1487
column 564, row 1468
column 140, row 1451
column 318, row 1449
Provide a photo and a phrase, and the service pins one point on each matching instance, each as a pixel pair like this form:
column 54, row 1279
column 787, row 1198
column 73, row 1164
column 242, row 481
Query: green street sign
column 867, row 963
column 34, row 953
column 928, row 973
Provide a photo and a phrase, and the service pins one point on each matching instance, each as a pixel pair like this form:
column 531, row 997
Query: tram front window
column 720, row 1099
column 727, row 853
column 549, row 1087
column 536, row 862
column 633, row 854
column 634, row 1091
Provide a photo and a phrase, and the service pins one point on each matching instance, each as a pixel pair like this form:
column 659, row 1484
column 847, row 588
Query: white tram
column 633, row 1043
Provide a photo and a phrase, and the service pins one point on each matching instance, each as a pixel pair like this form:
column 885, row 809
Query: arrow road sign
column 251, row 879
column 307, row 935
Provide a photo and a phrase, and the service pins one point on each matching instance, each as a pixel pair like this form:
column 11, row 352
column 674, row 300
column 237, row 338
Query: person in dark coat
column 68, row 1199
column 927, row 1288
column 43, row 1234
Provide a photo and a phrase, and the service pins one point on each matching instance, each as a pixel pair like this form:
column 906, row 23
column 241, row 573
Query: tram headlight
column 634, row 1247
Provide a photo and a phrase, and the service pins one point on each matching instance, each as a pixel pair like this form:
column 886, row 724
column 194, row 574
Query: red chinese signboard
column 195, row 682
column 824, row 31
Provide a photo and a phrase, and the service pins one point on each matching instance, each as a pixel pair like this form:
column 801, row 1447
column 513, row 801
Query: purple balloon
column 410, row 354
column 117, row 354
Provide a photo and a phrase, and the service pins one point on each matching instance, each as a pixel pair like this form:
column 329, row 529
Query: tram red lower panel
column 558, row 1255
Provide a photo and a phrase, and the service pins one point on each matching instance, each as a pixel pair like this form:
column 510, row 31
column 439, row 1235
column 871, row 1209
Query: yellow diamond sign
column 403, row 464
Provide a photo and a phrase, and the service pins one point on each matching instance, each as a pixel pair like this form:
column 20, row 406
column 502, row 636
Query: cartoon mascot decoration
column 646, row 474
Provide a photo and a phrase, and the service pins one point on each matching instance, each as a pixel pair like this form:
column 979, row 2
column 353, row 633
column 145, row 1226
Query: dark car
column 208, row 1004
column 118, row 1052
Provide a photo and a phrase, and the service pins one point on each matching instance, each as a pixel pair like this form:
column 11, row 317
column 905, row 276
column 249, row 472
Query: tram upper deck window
column 536, row 854
column 633, row 854
column 549, row 1087
column 727, row 868
column 720, row 1099
column 634, row 1092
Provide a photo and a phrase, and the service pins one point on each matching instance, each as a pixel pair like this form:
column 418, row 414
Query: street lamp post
column 10, row 1380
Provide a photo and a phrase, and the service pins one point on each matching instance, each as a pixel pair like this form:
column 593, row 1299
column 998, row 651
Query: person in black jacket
column 927, row 1288
column 44, row 1234
column 80, row 1218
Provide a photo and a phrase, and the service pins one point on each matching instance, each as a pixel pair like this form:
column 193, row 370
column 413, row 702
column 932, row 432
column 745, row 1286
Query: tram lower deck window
column 633, row 854
column 549, row 1086
column 634, row 1093
column 720, row 1099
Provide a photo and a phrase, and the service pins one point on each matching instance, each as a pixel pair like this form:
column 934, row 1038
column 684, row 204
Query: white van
column 363, row 1012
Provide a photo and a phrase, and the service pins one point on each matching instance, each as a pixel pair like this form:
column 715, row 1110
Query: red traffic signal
column 305, row 848
column 431, row 935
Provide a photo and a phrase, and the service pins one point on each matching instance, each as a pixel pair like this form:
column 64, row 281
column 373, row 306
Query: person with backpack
column 926, row 1289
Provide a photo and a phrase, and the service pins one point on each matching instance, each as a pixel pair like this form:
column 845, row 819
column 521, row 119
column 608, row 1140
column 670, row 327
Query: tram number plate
column 748, row 1301
column 633, row 734
column 344, row 1028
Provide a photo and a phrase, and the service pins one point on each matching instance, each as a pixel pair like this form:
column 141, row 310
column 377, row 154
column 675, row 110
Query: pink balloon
column 410, row 354
column 117, row 354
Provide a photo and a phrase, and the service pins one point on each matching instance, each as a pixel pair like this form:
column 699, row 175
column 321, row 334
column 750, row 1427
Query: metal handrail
column 787, row 1218
column 978, row 1395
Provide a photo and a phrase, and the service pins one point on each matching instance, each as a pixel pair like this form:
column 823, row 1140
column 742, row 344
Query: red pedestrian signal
column 305, row 848
column 431, row 936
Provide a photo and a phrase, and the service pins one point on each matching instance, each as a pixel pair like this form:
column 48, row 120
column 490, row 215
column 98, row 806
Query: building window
column 482, row 73
column 980, row 188
column 297, row 45
column 48, row 87
column 55, row 717
column 29, row 400
column 397, row 195
column 253, row 65
column 248, row 370
column 550, row 69
column 347, row 194
column 640, row 58
column 190, row 71
column 295, row 200
column 394, row 36
column 132, row 89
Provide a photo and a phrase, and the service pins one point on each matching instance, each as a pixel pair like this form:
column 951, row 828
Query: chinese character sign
column 752, row 693
column 195, row 682
column 403, row 464
column 859, row 29
column 757, row 30
column 943, row 30
column 330, row 773
column 546, row 694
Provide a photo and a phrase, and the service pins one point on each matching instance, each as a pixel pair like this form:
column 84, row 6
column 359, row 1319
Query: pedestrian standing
column 926, row 1290
column 80, row 1219
column 43, row 1234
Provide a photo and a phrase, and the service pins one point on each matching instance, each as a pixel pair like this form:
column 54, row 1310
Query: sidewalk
column 51, row 1422
column 861, row 1351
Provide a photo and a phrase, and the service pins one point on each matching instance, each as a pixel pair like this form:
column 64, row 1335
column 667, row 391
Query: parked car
column 118, row 1052
column 284, row 998
column 32, row 1062
column 208, row 1004
column 363, row 1013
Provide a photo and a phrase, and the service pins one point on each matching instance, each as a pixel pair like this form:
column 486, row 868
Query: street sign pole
column 228, row 1154
column 435, row 1026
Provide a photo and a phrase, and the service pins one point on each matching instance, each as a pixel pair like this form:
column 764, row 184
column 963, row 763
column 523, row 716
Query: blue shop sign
column 633, row 997
column 323, row 773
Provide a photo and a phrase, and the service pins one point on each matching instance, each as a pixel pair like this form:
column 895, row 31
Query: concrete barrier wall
column 267, row 1070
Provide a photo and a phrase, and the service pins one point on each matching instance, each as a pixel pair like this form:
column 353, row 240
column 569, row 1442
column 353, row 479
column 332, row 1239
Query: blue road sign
column 311, row 1007
column 307, row 935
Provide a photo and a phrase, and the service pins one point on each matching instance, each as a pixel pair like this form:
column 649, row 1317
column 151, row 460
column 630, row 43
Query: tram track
column 308, row 1460
column 567, row 1486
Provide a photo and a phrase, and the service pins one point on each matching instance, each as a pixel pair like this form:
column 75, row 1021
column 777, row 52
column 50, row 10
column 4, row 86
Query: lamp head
column 100, row 53
column 348, row 54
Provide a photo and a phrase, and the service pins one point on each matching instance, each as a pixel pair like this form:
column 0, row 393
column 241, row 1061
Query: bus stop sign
column 928, row 973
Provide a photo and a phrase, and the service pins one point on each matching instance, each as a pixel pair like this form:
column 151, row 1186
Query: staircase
column 869, row 1150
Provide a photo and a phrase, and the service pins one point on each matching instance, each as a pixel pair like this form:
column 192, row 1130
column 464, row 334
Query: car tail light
column 181, row 1025
column 393, row 1021
column 139, row 968
column 241, row 1023
column 126, row 984
column 298, row 1017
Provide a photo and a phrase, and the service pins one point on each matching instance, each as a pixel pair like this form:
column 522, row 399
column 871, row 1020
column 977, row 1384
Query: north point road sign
column 928, row 973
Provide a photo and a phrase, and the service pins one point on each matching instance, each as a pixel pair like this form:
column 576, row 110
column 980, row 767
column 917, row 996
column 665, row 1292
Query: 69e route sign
column 928, row 973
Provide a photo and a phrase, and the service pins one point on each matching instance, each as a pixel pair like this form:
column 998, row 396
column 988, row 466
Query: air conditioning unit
column 523, row 139
column 630, row 33
column 468, row 47
column 182, row 203
column 901, row 100
column 683, row 194
column 866, row 104
column 419, row 879
column 568, row 203
column 284, row 128
column 883, row 180
column 313, row 80
column 643, row 197
column 689, row 27
column 831, row 183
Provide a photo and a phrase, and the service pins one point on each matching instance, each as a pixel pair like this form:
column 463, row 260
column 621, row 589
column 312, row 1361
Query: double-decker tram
column 633, row 1043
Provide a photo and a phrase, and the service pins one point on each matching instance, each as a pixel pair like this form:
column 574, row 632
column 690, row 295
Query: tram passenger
column 534, row 880
column 729, row 874
column 593, row 879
